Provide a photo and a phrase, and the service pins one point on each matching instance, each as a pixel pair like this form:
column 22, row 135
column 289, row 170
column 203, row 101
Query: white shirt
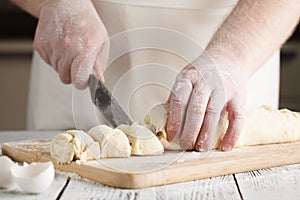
column 143, row 78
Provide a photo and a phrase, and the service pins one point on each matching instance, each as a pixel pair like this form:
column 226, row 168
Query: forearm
column 30, row 6
column 253, row 31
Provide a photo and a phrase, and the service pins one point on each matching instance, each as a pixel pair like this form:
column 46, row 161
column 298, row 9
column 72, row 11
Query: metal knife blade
column 107, row 104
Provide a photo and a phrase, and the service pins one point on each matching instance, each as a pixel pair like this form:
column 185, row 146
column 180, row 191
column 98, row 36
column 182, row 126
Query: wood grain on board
column 217, row 163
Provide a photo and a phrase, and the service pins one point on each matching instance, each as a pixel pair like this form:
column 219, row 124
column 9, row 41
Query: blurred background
column 16, row 36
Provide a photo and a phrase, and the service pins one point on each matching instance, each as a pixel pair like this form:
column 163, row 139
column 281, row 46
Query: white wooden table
column 276, row 183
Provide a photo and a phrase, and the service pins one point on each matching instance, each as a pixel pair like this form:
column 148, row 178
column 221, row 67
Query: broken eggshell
column 6, row 178
column 34, row 178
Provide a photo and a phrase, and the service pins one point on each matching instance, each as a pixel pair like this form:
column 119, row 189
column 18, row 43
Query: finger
column 178, row 103
column 210, row 122
column 235, row 119
column 101, row 61
column 63, row 62
column 64, row 71
column 54, row 59
column 43, row 53
column 194, row 115
column 169, row 98
column 81, row 69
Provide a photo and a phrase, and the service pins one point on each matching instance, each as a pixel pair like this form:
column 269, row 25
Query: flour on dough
column 142, row 140
column 113, row 142
column 156, row 121
column 263, row 125
column 74, row 145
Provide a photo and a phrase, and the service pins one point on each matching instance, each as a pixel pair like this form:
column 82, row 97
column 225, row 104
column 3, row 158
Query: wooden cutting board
column 171, row 167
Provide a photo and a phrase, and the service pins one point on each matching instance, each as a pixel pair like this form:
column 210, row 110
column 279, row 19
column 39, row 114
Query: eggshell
column 34, row 178
column 6, row 178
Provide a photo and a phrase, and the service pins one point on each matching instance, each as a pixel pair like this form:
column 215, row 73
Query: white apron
column 140, row 79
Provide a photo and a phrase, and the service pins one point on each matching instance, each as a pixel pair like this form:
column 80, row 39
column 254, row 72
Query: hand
column 72, row 39
column 203, row 90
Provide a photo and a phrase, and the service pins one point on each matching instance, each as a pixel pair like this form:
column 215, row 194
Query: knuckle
column 38, row 48
column 174, row 127
column 211, row 111
column 177, row 104
column 237, row 115
column 214, row 108
column 80, row 85
column 201, row 148
column 35, row 45
column 186, row 144
column 235, row 138
column 78, row 75
column 40, row 44
column 188, row 72
column 78, row 78
column 198, row 110
column 203, row 137
column 202, row 145
column 65, row 78
column 181, row 90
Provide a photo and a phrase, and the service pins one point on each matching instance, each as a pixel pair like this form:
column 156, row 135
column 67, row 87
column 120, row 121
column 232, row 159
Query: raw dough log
column 263, row 125
column 113, row 142
column 74, row 145
column 142, row 140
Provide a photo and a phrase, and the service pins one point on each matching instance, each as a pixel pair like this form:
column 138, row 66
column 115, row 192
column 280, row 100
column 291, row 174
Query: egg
column 34, row 178
column 6, row 178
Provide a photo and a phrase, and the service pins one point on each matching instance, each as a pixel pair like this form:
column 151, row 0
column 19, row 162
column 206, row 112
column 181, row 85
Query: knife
column 107, row 104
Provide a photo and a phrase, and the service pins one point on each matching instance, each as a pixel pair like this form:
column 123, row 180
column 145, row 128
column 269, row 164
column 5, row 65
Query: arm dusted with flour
column 250, row 34
column 70, row 37
column 30, row 6
column 253, row 31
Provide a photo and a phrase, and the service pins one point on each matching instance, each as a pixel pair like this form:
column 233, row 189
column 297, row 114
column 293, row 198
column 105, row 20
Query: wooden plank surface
column 212, row 188
column 215, row 164
column 9, row 136
column 52, row 193
column 275, row 183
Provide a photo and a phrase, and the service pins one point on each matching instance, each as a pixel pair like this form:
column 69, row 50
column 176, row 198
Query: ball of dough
column 142, row 140
column 74, row 145
column 156, row 121
column 113, row 142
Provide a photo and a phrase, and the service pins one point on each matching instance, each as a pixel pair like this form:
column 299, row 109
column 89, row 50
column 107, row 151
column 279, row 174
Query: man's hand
column 250, row 34
column 72, row 39
column 200, row 93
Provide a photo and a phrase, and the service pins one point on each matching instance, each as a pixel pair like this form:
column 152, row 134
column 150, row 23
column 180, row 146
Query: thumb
column 236, row 118
column 100, row 64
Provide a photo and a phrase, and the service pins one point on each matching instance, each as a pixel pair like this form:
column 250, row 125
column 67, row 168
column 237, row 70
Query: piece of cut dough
column 263, row 125
column 113, row 142
column 74, row 145
column 142, row 140
column 156, row 121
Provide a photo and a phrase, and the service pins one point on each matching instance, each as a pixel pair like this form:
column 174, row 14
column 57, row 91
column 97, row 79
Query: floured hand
column 71, row 38
column 200, row 93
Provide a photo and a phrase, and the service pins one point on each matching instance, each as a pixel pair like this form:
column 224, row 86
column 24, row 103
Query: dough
column 74, row 145
column 266, row 125
column 113, row 142
column 142, row 140
column 156, row 121
column 263, row 125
